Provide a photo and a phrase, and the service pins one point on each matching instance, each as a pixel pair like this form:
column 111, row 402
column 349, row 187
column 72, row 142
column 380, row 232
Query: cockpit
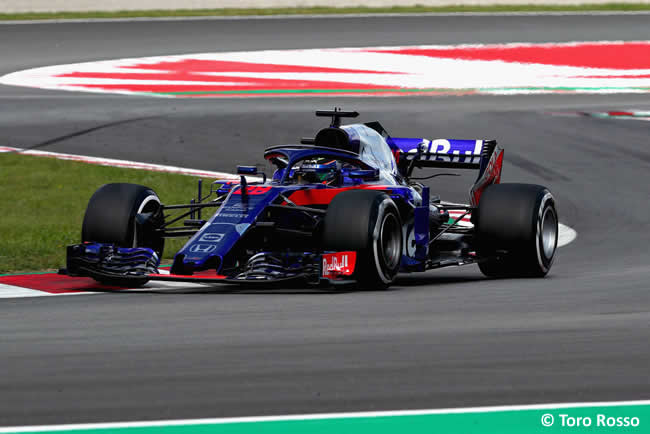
column 372, row 147
column 345, row 155
column 337, row 155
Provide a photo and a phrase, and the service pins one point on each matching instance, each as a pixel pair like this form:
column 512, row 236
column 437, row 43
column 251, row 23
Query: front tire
column 111, row 217
column 369, row 223
column 516, row 230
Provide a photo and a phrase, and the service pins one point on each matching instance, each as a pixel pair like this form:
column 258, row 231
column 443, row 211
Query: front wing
column 136, row 266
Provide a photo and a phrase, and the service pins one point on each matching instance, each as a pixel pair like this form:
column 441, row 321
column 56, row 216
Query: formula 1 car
column 340, row 208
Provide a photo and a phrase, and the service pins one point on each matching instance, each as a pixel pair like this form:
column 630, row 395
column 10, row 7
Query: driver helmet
column 317, row 170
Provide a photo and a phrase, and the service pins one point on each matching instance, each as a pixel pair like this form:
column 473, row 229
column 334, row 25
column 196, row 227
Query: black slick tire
column 516, row 230
column 111, row 217
column 367, row 222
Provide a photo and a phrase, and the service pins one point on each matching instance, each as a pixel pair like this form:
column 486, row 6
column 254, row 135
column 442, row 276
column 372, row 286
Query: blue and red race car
column 340, row 208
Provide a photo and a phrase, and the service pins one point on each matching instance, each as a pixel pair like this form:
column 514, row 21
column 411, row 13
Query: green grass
column 325, row 10
column 43, row 201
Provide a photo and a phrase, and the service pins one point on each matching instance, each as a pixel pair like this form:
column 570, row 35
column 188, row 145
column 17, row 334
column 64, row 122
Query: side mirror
column 246, row 170
column 249, row 170
column 369, row 174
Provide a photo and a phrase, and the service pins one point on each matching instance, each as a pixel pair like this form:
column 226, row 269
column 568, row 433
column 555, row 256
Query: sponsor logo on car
column 203, row 248
column 451, row 151
column 211, row 238
column 339, row 264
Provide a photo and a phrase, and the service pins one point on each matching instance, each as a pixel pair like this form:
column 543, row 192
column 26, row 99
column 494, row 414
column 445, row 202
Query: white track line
column 10, row 291
column 566, row 235
column 325, row 16
column 124, row 163
column 157, row 423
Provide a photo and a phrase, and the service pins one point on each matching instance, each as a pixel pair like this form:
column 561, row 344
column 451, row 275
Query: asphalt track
column 442, row 339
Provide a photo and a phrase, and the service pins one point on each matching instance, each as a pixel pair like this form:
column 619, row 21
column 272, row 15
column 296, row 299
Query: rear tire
column 111, row 217
column 369, row 223
column 516, row 230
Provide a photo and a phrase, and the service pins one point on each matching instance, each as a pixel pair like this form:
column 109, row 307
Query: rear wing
column 484, row 155
column 464, row 154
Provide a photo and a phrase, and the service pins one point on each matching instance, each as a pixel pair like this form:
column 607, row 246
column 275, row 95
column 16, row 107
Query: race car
column 340, row 208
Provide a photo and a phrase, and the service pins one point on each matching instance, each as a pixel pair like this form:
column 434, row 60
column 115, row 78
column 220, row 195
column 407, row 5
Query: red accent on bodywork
column 339, row 264
column 492, row 175
column 396, row 154
column 254, row 190
column 275, row 155
column 323, row 196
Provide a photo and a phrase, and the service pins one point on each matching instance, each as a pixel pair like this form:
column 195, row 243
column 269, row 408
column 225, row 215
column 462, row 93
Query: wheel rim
column 390, row 241
column 549, row 233
column 150, row 204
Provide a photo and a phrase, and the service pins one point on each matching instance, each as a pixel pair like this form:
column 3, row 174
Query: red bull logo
column 339, row 264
